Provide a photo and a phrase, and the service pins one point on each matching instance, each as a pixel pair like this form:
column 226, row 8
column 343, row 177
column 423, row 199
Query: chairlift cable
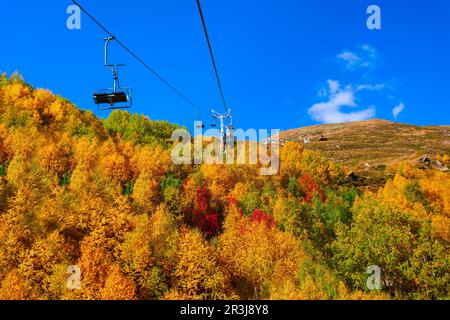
column 205, row 29
column 156, row 74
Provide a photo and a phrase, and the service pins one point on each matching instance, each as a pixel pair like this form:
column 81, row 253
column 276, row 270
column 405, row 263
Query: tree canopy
column 105, row 196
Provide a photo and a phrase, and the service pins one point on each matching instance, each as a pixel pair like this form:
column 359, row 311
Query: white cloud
column 398, row 109
column 371, row 51
column 351, row 59
column 364, row 57
column 330, row 111
column 334, row 86
column 371, row 87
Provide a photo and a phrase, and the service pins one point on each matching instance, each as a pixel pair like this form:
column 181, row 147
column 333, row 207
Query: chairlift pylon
column 115, row 97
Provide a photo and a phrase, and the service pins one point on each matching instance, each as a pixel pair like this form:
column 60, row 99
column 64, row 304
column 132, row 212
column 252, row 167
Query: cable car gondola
column 115, row 97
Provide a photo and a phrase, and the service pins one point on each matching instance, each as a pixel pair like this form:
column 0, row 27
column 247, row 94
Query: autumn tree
column 198, row 274
column 257, row 254
column 117, row 286
column 393, row 239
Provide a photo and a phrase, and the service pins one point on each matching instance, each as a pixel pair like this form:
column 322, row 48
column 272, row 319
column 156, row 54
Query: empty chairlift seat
column 110, row 99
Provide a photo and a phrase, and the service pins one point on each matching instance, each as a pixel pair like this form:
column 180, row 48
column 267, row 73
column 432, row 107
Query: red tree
column 205, row 219
column 259, row 216
column 310, row 188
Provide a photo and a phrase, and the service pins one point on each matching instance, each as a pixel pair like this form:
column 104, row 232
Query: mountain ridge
column 373, row 142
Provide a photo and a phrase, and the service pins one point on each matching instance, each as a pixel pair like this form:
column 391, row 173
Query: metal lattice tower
column 225, row 129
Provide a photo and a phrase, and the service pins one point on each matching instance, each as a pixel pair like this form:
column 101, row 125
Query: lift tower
column 226, row 130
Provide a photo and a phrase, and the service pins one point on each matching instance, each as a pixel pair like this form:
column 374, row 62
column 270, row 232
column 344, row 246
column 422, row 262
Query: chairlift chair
column 115, row 97
column 213, row 122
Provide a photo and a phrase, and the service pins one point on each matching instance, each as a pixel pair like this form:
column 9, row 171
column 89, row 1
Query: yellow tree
column 117, row 286
column 259, row 254
column 446, row 159
column 56, row 156
column 5, row 148
column 221, row 179
column 290, row 161
column 94, row 265
column 149, row 252
column 198, row 275
column 15, row 287
column 114, row 163
column 38, row 264
column 150, row 165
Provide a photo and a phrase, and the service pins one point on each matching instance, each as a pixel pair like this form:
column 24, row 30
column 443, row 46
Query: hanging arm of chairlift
column 115, row 95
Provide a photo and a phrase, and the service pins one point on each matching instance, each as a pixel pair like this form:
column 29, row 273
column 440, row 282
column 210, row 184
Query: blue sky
column 283, row 63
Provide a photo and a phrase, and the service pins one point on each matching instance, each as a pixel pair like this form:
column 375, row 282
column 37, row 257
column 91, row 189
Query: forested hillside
column 104, row 195
column 374, row 147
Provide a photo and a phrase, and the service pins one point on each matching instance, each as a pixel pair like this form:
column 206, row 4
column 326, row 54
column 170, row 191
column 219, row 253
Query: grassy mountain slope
column 375, row 142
